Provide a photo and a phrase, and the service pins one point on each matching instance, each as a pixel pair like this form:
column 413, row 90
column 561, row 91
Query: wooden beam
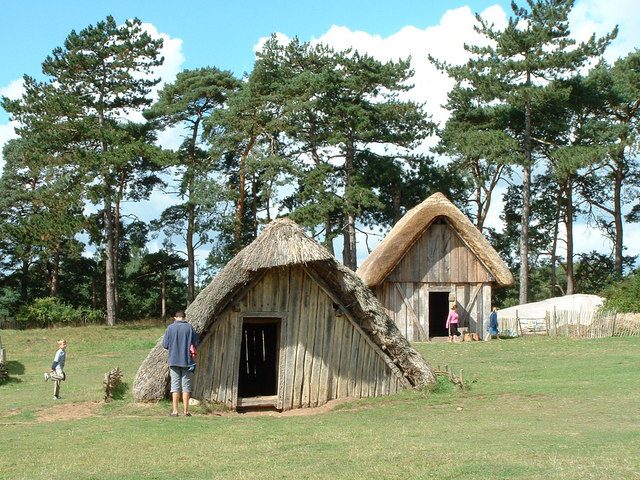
column 263, row 401
column 472, row 299
column 411, row 313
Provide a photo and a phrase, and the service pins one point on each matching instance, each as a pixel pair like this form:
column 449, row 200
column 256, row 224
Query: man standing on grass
column 181, row 340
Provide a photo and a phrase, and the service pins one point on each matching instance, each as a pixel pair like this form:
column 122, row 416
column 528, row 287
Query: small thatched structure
column 285, row 324
column 434, row 256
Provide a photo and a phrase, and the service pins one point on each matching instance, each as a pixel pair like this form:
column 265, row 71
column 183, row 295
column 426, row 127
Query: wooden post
column 547, row 322
column 613, row 324
column 518, row 326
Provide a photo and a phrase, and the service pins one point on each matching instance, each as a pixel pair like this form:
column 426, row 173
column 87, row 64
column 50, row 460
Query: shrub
column 49, row 311
column 624, row 296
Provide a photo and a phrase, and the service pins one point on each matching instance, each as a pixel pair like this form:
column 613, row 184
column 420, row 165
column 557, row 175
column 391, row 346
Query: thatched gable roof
column 413, row 224
column 283, row 243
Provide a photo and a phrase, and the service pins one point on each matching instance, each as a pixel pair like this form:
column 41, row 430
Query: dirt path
column 69, row 411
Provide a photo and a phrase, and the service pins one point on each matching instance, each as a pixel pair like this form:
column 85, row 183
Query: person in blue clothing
column 181, row 340
column 57, row 368
column 493, row 324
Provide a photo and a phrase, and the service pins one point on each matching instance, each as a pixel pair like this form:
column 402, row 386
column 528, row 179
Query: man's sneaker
column 56, row 397
column 46, row 376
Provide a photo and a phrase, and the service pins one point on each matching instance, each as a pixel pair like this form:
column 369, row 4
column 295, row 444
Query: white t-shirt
column 60, row 356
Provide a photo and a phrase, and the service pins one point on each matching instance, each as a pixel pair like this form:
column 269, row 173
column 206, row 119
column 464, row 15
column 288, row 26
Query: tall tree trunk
column 397, row 214
column 55, row 273
column 191, row 254
column 191, row 213
column 619, row 175
column 526, row 203
column 241, row 206
column 349, row 234
column 94, row 294
column 110, row 272
column 117, row 233
column 349, row 250
column 524, row 235
column 254, row 206
column 569, row 226
column 24, row 281
column 328, row 235
column 479, row 214
column 164, row 295
column 554, row 244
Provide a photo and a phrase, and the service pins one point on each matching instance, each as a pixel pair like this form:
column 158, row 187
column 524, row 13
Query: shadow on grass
column 119, row 392
column 15, row 368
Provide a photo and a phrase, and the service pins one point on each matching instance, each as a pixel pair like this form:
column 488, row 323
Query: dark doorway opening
column 259, row 357
column 438, row 311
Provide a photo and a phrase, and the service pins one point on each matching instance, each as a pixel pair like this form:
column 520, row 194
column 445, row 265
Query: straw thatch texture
column 410, row 228
column 284, row 243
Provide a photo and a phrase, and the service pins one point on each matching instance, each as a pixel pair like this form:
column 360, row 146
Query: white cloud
column 173, row 59
column 171, row 138
column 7, row 132
column 172, row 53
column 282, row 40
column 444, row 41
column 596, row 16
column 14, row 90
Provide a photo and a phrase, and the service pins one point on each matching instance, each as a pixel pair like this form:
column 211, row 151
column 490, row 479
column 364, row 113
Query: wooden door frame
column 265, row 317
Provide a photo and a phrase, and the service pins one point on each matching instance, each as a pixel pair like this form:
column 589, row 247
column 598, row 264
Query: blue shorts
column 181, row 379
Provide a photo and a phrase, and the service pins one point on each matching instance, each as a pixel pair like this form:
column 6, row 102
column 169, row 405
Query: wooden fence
column 9, row 322
column 573, row 324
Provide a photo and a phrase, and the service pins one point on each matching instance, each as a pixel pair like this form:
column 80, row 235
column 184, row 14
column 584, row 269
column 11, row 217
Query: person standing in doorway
column 452, row 323
column 57, row 374
column 181, row 340
column 493, row 324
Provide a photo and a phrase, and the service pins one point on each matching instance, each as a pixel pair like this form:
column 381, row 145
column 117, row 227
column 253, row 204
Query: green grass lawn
column 537, row 408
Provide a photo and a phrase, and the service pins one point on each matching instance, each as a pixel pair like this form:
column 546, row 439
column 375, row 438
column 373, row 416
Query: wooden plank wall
column 397, row 298
column 323, row 356
column 438, row 261
column 440, row 256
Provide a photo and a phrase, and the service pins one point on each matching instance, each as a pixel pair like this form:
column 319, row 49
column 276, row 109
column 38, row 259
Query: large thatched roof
column 413, row 224
column 283, row 243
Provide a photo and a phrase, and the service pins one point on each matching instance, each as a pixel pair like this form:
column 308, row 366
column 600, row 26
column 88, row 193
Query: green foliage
column 49, row 311
column 9, row 301
column 595, row 273
column 624, row 296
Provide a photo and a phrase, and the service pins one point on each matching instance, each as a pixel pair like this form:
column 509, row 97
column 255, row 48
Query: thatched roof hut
column 434, row 256
column 321, row 334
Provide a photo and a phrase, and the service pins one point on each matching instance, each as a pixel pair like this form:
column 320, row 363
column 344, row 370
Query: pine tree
column 188, row 102
column 513, row 68
column 99, row 76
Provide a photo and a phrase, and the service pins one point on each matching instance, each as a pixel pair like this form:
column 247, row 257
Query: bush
column 48, row 311
column 624, row 296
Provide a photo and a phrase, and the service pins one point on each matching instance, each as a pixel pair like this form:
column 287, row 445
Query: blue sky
column 217, row 33
column 225, row 34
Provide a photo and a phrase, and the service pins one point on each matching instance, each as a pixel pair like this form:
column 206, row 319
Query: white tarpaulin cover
column 580, row 305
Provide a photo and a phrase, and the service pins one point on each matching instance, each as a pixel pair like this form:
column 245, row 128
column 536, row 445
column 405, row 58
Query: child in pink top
column 452, row 323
